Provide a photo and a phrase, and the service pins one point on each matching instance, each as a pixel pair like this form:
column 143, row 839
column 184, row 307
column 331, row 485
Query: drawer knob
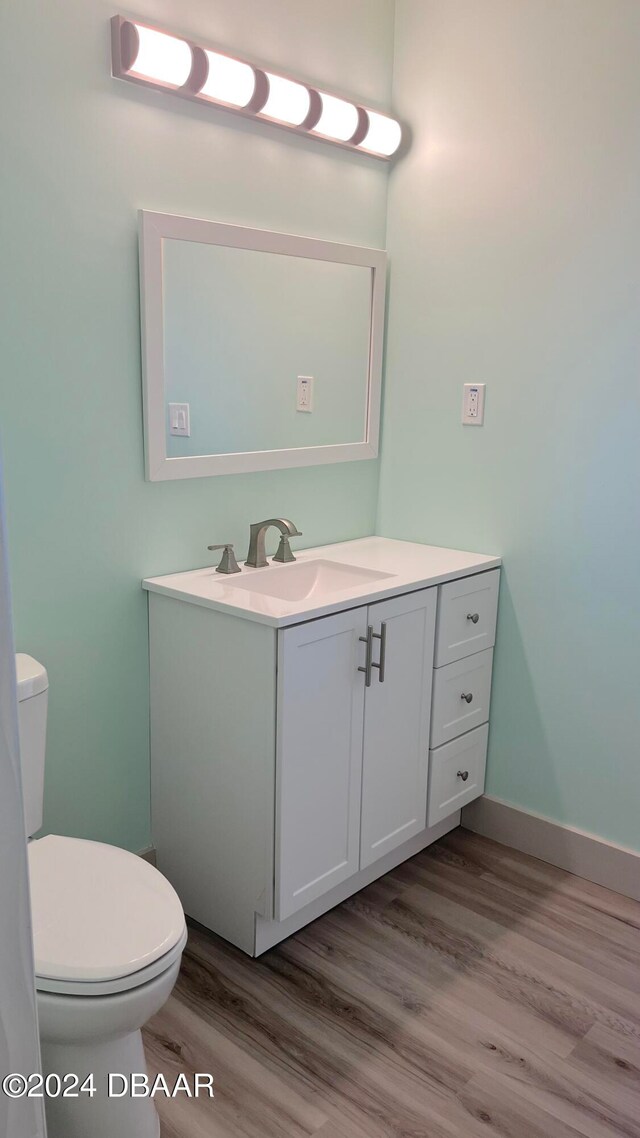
column 473, row 616
column 468, row 696
column 463, row 775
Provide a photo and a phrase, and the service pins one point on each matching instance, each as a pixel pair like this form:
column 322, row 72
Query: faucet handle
column 284, row 552
column 228, row 563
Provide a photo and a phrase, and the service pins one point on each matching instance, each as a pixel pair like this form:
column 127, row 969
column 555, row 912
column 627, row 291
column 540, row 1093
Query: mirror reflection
column 242, row 328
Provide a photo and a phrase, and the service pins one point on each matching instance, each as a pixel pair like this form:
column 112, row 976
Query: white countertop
column 405, row 564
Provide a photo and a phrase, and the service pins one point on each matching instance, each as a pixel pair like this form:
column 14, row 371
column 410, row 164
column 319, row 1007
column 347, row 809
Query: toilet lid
column 98, row 912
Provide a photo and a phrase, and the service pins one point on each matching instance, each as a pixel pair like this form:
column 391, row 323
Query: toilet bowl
column 108, row 933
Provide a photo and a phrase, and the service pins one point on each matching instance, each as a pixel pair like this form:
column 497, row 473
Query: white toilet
column 108, row 933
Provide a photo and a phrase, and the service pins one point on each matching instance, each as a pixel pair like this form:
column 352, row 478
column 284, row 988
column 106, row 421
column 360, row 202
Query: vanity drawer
column 467, row 611
column 461, row 695
column 449, row 790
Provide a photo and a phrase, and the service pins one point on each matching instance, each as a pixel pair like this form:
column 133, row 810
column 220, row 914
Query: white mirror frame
column 154, row 228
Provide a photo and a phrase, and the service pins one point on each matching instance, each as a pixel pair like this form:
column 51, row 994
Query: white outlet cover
column 304, row 393
column 473, row 404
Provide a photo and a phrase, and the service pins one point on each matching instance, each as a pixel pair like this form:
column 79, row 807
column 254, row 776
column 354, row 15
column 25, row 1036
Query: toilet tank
column 33, row 691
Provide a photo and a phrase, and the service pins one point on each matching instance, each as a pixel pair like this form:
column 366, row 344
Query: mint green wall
column 514, row 234
column 514, row 237
column 80, row 155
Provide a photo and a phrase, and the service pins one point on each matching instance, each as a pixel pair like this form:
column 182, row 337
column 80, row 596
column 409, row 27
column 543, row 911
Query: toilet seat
column 104, row 920
column 111, row 987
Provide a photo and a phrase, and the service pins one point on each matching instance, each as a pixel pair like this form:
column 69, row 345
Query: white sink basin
column 328, row 579
column 304, row 579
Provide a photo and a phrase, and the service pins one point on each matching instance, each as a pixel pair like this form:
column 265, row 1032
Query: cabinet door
column 319, row 757
column 396, row 726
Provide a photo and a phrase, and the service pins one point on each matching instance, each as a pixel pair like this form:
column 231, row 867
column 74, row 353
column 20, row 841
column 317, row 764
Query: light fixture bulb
column 338, row 119
column 161, row 58
column 383, row 136
column 229, row 80
column 288, row 102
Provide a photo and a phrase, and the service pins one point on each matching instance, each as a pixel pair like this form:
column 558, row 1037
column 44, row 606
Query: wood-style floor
column 472, row 992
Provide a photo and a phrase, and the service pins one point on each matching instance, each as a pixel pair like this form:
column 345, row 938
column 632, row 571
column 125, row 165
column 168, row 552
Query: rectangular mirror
column 260, row 350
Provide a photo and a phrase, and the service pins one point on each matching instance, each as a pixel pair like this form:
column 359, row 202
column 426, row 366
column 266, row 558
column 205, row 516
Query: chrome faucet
column 256, row 557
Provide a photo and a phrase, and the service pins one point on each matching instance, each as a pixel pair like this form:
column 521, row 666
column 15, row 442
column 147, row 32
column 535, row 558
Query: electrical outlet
column 473, row 404
column 304, row 393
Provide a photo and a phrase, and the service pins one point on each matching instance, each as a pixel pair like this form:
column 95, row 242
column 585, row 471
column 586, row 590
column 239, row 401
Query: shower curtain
column 19, row 1049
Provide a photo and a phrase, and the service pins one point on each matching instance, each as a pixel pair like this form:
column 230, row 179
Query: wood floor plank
column 543, row 878
column 250, row 1098
column 452, row 963
column 447, row 1016
column 290, row 1017
column 564, row 1091
column 610, row 1060
column 560, row 989
column 272, row 1023
column 506, row 1114
column 582, row 1108
column 582, row 934
column 474, row 992
column 459, row 1045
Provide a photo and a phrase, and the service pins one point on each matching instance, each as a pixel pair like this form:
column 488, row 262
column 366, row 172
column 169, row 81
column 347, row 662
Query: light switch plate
column 473, row 404
column 179, row 420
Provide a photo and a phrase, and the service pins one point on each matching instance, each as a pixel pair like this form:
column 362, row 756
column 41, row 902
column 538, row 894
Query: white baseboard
column 586, row 855
column 148, row 855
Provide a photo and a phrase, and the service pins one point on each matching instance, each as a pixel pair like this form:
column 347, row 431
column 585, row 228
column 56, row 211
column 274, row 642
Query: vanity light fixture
column 228, row 80
column 156, row 58
column 287, row 102
column 383, row 136
column 339, row 120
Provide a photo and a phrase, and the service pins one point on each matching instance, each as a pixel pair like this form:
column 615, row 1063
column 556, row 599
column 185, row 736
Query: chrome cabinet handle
column 468, row 696
column 463, row 775
column 368, row 664
column 473, row 616
column 382, row 637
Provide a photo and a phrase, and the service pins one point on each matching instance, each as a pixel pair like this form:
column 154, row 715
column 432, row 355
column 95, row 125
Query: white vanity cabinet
column 293, row 762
